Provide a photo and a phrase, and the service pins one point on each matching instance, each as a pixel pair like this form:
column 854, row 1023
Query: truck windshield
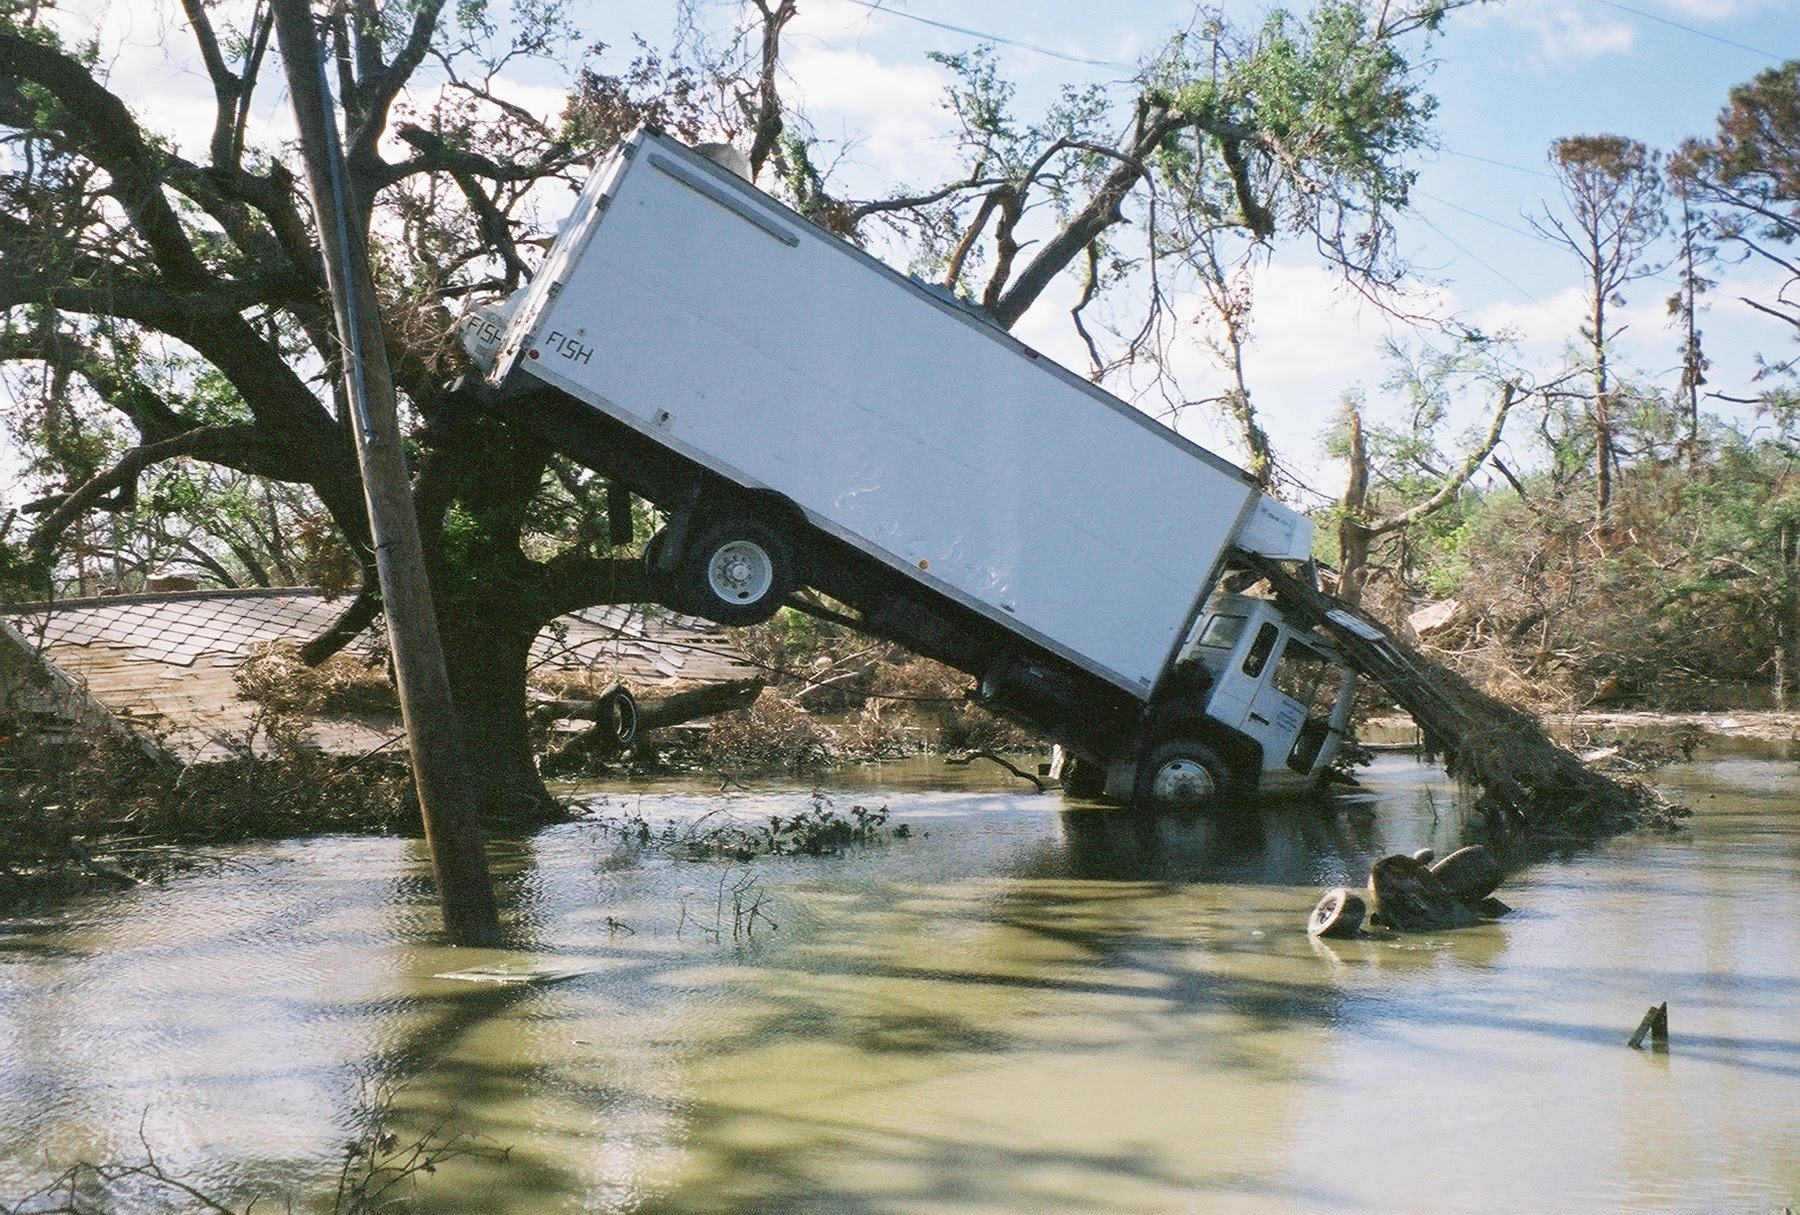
column 1222, row 632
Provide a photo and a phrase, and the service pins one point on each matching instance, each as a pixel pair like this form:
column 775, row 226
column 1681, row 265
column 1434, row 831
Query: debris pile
column 1413, row 894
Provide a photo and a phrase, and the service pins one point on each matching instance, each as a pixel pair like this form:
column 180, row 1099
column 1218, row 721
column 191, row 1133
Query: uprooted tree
column 165, row 304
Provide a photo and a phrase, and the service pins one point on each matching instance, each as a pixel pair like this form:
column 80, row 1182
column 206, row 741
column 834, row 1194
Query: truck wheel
column 1182, row 775
column 1339, row 914
column 735, row 572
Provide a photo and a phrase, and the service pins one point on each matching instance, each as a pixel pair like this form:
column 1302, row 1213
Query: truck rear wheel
column 1182, row 775
column 736, row 571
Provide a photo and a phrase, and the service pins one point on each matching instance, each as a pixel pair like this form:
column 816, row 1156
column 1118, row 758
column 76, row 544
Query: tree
column 124, row 252
column 120, row 254
column 1692, row 255
column 1400, row 477
column 1300, row 127
column 1613, row 189
column 1748, row 177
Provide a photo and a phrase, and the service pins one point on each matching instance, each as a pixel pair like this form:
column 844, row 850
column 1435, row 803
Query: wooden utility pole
column 433, row 734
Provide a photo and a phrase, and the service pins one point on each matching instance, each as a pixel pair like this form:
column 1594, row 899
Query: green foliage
column 1747, row 178
column 818, row 830
column 1691, row 586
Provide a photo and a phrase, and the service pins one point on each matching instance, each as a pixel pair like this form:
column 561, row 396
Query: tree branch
column 219, row 444
column 1452, row 484
column 107, row 133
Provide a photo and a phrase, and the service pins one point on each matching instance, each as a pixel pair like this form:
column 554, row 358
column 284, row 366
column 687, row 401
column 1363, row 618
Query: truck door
column 1292, row 685
column 1301, row 690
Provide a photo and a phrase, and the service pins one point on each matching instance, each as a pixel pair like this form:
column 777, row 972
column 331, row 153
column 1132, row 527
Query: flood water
column 1021, row 1008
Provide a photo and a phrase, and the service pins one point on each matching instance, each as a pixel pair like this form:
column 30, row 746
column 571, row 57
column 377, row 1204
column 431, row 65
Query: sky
column 1509, row 77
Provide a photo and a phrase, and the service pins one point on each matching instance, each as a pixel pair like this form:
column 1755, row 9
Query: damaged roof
column 164, row 663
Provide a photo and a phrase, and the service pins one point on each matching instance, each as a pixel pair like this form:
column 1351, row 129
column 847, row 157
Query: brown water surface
column 1022, row 1008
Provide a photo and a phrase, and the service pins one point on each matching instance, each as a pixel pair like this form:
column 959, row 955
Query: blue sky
column 1510, row 77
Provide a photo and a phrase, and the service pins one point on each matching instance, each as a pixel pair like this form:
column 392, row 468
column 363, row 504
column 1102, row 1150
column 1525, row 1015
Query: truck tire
column 736, row 571
column 616, row 716
column 1339, row 915
column 1182, row 774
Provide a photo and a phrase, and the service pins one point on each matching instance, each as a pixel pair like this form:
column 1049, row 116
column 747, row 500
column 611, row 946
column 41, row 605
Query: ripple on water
column 1018, row 1009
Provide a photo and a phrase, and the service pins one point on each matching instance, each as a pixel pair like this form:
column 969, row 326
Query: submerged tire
column 1182, row 775
column 1338, row 915
column 1471, row 873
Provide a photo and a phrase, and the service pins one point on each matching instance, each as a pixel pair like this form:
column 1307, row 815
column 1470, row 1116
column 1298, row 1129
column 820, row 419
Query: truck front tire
column 1181, row 774
column 736, row 572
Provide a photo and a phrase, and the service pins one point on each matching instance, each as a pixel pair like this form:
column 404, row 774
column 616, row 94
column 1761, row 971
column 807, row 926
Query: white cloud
column 894, row 113
column 1563, row 31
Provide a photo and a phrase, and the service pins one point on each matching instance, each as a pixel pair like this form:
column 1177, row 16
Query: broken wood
column 658, row 712
column 1656, row 1025
column 607, row 738
column 835, row 680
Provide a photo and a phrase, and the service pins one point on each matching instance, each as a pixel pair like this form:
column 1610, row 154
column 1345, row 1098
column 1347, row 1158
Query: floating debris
column 518, row 973
column 1410, row 894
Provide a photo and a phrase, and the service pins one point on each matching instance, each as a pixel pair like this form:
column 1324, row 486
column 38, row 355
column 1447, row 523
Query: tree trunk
column 1353, row 536
column 487, row 661
column 1603, row 441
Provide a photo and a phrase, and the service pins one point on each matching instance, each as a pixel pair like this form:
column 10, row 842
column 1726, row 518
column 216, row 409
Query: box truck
column 806, row 416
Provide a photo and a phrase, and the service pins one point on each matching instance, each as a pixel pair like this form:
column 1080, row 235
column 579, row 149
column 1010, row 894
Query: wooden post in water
column 440, row 771
column 1656, row 1025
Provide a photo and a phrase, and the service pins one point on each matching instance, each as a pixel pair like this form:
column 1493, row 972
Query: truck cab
column 1255, row 700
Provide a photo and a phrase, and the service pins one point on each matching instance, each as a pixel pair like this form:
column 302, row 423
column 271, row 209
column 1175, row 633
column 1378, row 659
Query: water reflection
column 1021, row 1008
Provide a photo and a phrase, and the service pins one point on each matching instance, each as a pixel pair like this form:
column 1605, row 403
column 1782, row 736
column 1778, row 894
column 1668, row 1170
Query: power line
column 1499, row 164
column 986, row 37
column 1444, row 202
column 1548, row 311
column 1688, row 29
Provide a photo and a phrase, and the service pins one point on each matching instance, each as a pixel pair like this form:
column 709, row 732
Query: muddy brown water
column 1022, row 1008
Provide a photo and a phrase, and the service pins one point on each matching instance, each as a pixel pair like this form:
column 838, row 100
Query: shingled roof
column 164, row 663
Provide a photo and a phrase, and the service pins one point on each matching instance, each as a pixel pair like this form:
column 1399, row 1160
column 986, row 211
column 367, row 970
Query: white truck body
column 806, row 415
column 699, row 311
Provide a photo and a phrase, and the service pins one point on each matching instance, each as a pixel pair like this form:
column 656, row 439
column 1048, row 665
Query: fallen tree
column 1527, row 781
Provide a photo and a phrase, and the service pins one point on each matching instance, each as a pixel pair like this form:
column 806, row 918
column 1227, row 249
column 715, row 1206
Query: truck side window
column 1222, row 632
column 1260, row 649
column 1300, row 674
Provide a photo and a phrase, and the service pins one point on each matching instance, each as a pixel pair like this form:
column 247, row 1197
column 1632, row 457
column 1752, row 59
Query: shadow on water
column 1020, row 1008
